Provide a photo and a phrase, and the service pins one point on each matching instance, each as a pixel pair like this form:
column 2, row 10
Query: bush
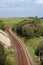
column 41, row 30
column 39, row 48
column 19, row 30
column 2, row 54
column 29, row 28
column 28, row 32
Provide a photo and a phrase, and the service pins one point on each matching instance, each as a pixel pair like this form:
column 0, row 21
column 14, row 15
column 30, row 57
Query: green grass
column 14, row 21
column 10, row 56
column 32, row 45
column 11, row 21
column 12, row 60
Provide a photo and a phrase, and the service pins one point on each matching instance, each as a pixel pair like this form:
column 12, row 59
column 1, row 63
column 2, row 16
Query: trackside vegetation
column 6, row 55
column 31, row 32
column 29, row 28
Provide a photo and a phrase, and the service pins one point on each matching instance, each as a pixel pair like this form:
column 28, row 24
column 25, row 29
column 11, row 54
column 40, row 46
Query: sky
column 21, row 8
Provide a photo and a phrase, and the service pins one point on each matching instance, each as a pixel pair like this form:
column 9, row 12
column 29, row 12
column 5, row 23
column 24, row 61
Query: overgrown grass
column 10, row 56
column 32, row 45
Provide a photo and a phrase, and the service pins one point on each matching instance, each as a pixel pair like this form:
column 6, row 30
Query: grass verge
column 32, row 45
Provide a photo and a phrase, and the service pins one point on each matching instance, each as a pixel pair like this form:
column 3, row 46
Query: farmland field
column 14, row 21
column 11, row 21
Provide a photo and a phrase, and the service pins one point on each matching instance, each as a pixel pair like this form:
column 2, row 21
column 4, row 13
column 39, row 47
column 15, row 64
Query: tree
column 36, row 21
column 41, row 30
column 19, row 30
column 36, row 25
column 28, row 31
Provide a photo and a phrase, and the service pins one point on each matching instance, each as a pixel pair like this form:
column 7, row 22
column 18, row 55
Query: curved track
column 24, row 57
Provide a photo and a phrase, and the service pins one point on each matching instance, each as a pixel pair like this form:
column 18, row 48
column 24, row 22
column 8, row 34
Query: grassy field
column 11, row 21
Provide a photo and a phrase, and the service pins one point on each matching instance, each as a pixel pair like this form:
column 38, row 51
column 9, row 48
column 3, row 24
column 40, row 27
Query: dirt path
column 23, row 55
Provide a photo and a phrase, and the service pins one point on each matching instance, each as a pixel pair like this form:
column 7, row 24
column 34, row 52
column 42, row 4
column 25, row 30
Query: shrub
column 39, row 48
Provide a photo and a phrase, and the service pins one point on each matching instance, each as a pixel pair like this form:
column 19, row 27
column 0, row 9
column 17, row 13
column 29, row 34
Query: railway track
column 24, row 57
